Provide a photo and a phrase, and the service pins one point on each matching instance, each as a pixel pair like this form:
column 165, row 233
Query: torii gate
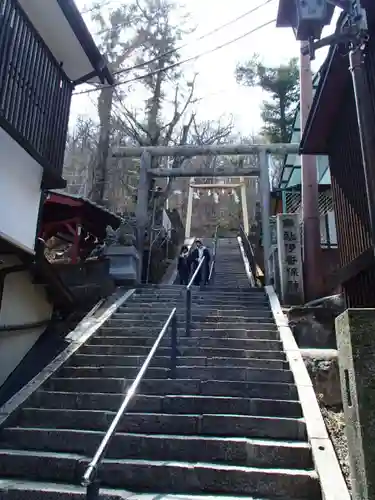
column 146, row 173
column 192, row 185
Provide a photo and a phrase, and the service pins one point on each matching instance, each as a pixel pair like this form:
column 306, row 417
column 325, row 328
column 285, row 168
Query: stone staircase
column 229, row 267
column 230, row 425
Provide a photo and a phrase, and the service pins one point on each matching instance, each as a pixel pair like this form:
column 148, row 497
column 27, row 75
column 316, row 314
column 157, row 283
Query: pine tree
column 281, row 83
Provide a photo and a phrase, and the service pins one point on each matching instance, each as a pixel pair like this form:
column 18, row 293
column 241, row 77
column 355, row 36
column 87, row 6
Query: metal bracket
column 350, row 35
column 355, row 32
column 345, row 5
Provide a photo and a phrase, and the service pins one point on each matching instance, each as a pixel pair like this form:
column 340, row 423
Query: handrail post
column 174, row 351
column 90, row 476
column 93, row 490
column 188, row 312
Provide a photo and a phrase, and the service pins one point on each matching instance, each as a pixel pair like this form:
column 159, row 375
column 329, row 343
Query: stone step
column 30, row 490
column 167, row 404
column 159, row 476
column 264, row 390
column 227, row 293
column 246, row 452
column 119, row 356
column 163, row 423
column 231, row 310
column 209, row 352
column 197, row 316
column 231, row 274
column 158, row 324
column 208, row 302
column 230, row 343
column 165, row 289
column 227, row 333
column 230, row 267
column 201, row 372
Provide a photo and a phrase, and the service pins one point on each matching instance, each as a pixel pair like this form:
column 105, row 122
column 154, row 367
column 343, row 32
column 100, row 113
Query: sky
column 219, row 94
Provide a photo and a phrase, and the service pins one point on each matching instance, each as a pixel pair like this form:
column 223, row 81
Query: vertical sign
column 273, row 230
column 273, row 254
column 290, row 258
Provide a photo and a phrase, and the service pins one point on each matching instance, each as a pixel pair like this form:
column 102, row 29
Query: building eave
column 328, row 97
column 86, row 40
column 64, row 32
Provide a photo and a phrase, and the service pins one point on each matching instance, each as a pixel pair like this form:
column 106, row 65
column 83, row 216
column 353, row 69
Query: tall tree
column 158, row 121
column 118, row 42
column 281, row 83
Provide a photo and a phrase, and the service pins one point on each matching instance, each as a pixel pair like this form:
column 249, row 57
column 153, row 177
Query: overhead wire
column 178, row 63
column 202, row 37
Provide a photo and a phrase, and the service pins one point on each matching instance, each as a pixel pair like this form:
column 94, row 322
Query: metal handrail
column 89, row 479
column 189, row 285
column 213, row 261
column 249, row 253
column 188, row 296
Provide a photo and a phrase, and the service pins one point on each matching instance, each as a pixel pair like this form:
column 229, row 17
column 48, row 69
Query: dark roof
column 74, row 18
column 97, row 217
column 335, row 77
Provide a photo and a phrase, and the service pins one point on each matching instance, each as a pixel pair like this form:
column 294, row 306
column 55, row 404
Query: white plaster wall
column 23, row 302
column 20, row 180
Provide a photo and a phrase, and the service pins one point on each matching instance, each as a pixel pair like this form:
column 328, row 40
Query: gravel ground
column 335, row 423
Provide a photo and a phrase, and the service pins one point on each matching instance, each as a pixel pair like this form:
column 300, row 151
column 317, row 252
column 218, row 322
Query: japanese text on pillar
column 292, row 255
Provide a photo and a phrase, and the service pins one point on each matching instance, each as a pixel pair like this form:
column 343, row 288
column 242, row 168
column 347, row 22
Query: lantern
column 306, row 17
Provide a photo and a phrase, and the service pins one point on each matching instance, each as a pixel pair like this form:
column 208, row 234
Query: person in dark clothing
column 197, row 254
column 184, row 266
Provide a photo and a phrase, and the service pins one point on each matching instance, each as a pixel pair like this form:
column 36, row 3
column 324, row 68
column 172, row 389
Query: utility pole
column 307, row 18
column 265, row 195
column 310, row 190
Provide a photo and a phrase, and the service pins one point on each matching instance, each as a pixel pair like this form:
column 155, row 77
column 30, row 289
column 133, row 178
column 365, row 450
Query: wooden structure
column 46, row 51
column 332, row 129
column 77, row 221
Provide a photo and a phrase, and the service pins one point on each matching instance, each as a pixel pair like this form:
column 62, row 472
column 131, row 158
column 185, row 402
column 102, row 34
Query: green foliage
column 281, row 83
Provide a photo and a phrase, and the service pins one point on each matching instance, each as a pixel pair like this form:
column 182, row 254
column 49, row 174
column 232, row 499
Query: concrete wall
column 22, row 303
column 20, row 179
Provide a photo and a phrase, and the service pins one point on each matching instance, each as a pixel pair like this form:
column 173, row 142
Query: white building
column 46, row 51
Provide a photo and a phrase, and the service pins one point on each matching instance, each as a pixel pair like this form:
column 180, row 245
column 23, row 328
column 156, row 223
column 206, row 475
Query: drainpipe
column 310, row 208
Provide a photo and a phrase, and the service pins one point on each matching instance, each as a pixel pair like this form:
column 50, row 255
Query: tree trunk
column 101, row 165
column 283, row 124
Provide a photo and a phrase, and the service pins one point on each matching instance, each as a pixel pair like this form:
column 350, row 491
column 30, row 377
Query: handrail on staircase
column 188, row 296
column 213, row 260
column 249, row 253
column 90, row 478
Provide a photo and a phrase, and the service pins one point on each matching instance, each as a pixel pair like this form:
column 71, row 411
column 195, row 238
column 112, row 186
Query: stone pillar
column 290, row 258
column 265, row 194
column 245, row 210
column 355, row 331
column 189, row 212
column 141, row 211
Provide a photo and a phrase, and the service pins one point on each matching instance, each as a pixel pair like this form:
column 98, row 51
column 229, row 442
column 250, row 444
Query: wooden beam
column 204, row 171
column 213, row 149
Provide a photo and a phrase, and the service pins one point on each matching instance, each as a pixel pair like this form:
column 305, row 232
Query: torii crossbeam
column 146, row 172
